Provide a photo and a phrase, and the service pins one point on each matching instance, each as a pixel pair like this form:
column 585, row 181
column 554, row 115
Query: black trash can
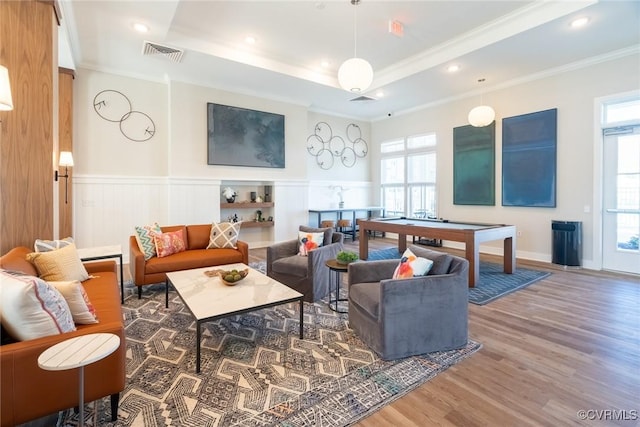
column 567, row 243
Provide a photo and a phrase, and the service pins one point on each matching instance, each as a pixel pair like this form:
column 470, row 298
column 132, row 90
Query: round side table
column 78, row 352
column 338, row 268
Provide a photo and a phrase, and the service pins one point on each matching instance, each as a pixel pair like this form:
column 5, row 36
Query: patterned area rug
column 493, row 284
column 255, row 369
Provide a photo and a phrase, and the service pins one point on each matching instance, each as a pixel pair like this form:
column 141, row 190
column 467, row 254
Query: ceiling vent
column 363, row 98
column 172, row 53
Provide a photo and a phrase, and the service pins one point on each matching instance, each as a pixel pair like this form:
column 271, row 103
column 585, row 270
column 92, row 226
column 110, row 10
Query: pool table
column 471, row 234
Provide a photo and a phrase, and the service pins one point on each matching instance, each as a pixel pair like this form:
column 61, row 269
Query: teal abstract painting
column 474, row 152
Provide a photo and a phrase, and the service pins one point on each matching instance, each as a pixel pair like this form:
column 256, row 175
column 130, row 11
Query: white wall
column 119, row 183
column 573, row 93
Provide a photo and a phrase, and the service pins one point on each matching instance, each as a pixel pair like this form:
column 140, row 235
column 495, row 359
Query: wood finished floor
column 568, row 343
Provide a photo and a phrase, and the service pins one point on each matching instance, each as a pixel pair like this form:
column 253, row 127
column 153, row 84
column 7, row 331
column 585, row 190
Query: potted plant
column 346, row 257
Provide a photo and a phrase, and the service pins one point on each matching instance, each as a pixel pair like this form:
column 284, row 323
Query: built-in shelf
column 252, row 224
column 246, row 205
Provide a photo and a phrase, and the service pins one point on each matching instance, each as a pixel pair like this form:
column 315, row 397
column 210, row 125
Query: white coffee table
column 104, row 252
column 208, row 299
column 78, row 352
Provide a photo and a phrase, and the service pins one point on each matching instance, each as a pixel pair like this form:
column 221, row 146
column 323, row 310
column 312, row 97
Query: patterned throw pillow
column 411, row 266
column 308, row 242
column 51, row 245
column 169, row 243
column 144, row 237
column 82, row 310
column 61, row 264
column 224, row 235
column 31, row 308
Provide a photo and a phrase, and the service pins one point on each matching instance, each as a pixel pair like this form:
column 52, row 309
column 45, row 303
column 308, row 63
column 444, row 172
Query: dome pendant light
column 355, row 74
column 482, row 115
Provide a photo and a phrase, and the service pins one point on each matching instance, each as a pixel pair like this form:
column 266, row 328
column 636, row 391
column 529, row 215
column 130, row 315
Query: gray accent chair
column 306, row 274
column 405, row 317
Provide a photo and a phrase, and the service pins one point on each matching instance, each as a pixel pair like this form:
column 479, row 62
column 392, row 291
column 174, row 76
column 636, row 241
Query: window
column 408, row 176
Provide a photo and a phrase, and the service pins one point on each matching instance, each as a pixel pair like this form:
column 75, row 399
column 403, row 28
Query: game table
column 471, row 234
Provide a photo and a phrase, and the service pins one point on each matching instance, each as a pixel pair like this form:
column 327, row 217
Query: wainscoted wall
column 107, row 208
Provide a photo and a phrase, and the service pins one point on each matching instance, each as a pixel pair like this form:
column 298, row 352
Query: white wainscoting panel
column 107, row 208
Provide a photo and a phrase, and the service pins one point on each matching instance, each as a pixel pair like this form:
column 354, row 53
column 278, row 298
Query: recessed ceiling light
column 250, row 40
column 453, row 68
column 379, row 94
column 580, row 22
column 324, row 64
column 141, row 28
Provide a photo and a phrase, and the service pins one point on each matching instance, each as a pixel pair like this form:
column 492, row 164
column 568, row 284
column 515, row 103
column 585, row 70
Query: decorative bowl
column 232, row 277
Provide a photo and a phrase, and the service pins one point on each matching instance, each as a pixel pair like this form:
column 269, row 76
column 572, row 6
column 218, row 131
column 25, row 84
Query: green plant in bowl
column 346, row 257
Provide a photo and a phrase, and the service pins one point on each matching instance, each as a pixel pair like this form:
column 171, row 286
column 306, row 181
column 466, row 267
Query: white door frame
column 598, row 158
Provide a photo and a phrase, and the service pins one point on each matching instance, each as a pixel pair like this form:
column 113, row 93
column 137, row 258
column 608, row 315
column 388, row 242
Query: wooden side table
column 105, row 252
column 78, row 352
column 338, row 268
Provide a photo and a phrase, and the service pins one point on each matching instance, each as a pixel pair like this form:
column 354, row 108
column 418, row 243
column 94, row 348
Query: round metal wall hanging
column 326, row 146
column 115, row 107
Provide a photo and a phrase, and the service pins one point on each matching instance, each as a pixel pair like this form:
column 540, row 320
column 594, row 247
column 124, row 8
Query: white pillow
column 412, row 266
column 81, row 308
column 31, row 308
column 308, row 242
column 61, row 264
column 224, row 235
column 51, row 245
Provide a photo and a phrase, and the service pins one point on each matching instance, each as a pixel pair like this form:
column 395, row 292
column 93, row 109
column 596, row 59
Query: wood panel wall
column 65, row 131
column 28, row 40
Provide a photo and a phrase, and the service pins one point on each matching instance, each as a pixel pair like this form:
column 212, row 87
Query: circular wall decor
column 325, row 146
column 115, row 107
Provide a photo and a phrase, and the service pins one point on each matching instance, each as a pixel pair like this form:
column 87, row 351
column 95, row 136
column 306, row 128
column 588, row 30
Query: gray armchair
column 306, row 274
column 406, row 317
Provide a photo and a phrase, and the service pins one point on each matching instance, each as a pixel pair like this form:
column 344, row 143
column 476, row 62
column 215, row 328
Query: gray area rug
column 255, row 369
column 493, row 284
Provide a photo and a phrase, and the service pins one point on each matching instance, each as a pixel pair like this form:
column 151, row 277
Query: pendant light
column 355, row 74
column 482, row 115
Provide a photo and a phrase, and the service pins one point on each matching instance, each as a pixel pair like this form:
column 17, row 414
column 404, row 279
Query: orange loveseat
column 29, row 392
column 153, row 270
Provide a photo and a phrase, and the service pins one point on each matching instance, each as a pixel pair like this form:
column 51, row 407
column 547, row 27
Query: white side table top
column 78, row 351
column 100, row 251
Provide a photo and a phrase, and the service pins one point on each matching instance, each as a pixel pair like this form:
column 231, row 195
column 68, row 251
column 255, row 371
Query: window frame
column 429, row 148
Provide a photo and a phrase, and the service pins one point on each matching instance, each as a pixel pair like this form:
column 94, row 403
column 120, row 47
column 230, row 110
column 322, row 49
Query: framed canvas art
column 474, row 165
column 242, row 137
column 529, row 159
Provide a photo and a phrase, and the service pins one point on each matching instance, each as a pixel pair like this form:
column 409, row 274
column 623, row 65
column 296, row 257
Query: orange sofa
column 153, row 270
column 29, row 392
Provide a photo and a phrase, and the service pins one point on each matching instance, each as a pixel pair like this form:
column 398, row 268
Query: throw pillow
column 441, row 260
column 51, row 245
column 328, row 233
column 411, row 266
column 82, row 310
column 31, row 308
column 169, row 243
column 224, row 235
column 144, row 237
column 308, row 242
column 61, row 264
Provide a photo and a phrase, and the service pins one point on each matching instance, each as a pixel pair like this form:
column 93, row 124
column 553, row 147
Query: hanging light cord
column 481, row 91
column 355, row 3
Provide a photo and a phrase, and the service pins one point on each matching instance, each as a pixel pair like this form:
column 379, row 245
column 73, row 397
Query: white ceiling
column 501, row 41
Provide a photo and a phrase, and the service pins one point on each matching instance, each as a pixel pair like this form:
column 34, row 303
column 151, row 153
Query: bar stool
column 344, row 226
column 327, row 224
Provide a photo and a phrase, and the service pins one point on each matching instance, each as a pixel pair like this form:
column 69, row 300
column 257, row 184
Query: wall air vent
column 149, row 48
column 363, row 98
